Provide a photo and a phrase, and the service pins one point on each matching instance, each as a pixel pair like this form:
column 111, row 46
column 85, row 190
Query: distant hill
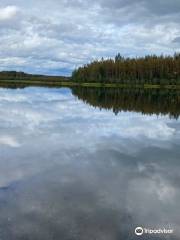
column 13, row 75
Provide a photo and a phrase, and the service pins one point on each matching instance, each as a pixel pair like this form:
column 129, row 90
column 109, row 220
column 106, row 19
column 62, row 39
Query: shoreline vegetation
column 149, row 72
column 26, row 83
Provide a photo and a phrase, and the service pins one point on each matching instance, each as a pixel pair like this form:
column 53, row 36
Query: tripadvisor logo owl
column 139, row 231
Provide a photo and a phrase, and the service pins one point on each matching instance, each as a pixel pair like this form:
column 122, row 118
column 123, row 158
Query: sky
column 56, row 36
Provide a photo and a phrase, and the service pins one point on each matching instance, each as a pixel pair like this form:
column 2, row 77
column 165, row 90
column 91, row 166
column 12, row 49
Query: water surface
column 72, row 171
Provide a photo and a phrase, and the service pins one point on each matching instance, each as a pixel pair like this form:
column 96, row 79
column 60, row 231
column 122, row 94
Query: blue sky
column 56, row 36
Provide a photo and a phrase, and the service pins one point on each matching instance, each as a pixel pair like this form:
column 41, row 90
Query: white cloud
column 9, row 141
column 77, row 32
column 8, row 12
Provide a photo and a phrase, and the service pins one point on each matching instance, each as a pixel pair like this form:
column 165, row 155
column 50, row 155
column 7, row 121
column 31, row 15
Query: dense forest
column 146, row 101
column 13, row 75
column 143, row 70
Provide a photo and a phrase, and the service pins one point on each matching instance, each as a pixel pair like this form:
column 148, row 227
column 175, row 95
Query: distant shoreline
column 48, row 83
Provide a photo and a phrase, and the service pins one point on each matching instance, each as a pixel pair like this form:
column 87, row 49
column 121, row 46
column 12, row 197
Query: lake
column 88, row 164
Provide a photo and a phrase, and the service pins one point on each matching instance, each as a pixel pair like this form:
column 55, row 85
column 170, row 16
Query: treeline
column 146, row 101
column 143, row 70
column 13, row 75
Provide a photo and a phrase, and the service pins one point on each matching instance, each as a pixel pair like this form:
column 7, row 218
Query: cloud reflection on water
column 71, row 171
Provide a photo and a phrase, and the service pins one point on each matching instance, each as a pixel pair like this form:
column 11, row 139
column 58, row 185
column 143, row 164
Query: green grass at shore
column 80, row 84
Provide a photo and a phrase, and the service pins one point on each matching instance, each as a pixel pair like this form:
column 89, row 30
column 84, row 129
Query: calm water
column 70, row 171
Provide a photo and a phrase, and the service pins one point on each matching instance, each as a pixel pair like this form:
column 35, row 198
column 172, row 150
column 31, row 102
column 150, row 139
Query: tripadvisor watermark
column 139, row 231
